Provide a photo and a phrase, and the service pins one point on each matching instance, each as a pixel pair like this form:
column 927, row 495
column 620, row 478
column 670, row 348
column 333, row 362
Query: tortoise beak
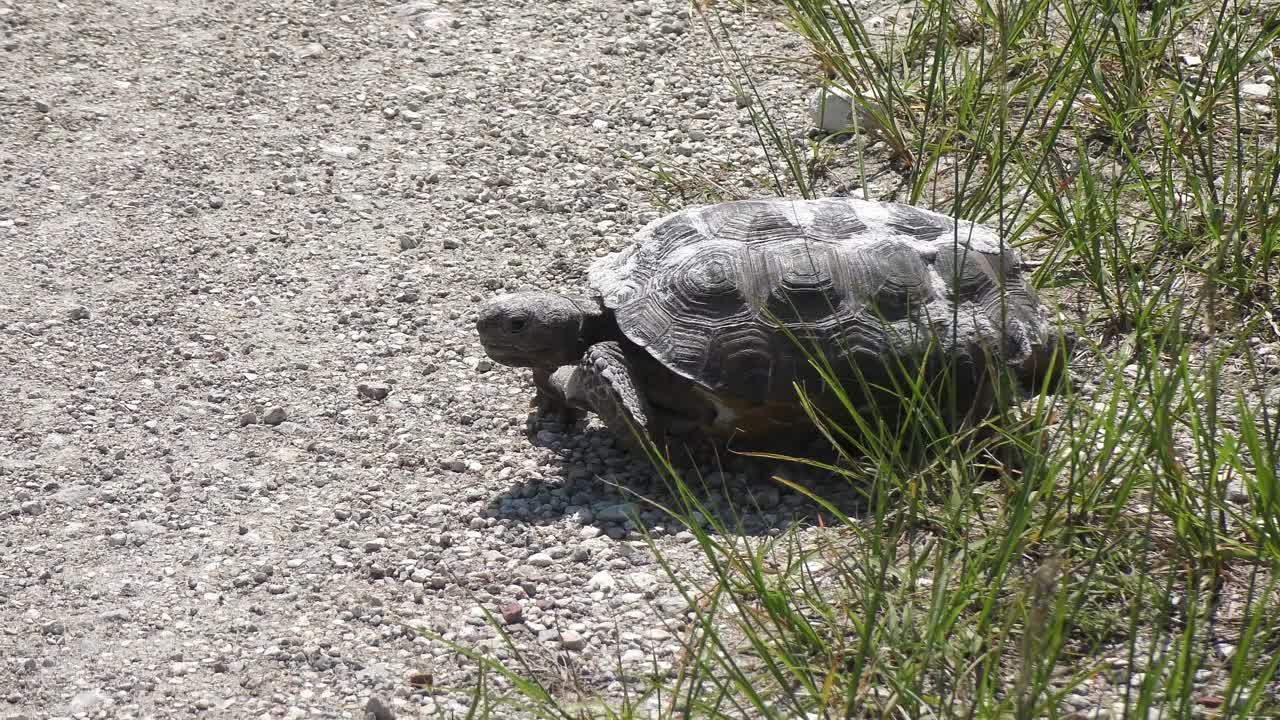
column 505, row 354
column 499, row 338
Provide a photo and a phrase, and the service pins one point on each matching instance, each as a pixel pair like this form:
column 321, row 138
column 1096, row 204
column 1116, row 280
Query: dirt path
column 204, row 215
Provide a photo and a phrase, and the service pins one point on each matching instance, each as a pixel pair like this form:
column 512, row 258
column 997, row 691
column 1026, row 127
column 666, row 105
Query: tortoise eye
column 516, row 325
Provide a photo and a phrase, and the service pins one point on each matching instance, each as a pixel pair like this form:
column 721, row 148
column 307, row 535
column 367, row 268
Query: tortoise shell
column 734, row 296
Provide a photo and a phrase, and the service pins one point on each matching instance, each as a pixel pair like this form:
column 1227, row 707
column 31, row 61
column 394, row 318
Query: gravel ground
column 249, row 438
column 248, row 432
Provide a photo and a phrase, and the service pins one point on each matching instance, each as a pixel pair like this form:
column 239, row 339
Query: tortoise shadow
column 597, row 484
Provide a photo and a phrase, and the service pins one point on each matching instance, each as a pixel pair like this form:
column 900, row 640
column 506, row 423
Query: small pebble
column 512, row 613
column 116, row 615
column 616, row 513
column 570, row 640
column 1255, row 91
column 311, row 50
column 601, row 581
column 376, row 709
column 374, row 390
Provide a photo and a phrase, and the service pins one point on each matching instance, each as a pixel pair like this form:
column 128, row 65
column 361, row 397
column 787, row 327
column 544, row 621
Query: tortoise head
column 532, row 329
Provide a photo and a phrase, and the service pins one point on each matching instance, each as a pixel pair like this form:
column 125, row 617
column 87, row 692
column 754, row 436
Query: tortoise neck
column 594, row 325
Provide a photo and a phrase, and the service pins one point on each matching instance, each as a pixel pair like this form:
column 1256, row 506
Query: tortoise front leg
column 608, row 381
column 552, row 400
column 604, row 382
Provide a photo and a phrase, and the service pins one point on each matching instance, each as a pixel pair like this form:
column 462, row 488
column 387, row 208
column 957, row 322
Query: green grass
column 1125, row 528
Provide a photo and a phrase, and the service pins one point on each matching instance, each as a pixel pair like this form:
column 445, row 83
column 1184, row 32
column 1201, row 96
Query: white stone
column 1255, row 91
column 832, row 110
column 601, row 581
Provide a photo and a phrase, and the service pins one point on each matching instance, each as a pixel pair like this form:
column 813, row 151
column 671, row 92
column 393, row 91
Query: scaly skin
column 604, row 382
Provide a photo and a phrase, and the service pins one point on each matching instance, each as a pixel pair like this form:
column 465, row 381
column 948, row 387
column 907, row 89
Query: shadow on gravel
column 595, row 483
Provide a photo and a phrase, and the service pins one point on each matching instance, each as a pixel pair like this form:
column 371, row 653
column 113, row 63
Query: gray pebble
column 373, row 390
column 512, row 613
column 1078, row 701
column 311, row 50
column 87, row 699
column 275, row 415
column 616, row 513
column 601, row 581
column 115, row 615
column 1255, row 91
column 376, row 709
column 144, row 528
column 570, row 640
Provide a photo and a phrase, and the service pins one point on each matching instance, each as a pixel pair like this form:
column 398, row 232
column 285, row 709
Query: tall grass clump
column 1109, row 549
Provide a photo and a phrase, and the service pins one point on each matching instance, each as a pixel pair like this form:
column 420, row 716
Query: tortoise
column 714, row 315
